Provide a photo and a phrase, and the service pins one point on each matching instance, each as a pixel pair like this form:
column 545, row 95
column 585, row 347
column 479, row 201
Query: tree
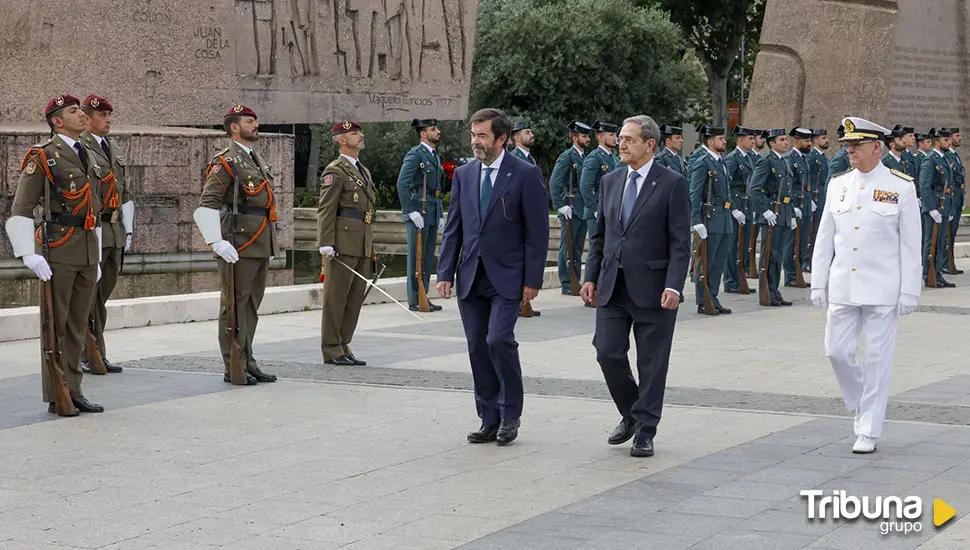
column 714, row 28
column 552, row 61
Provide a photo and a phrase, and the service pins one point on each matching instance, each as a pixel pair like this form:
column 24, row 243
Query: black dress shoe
column 700, row 309
column 507, row 432
column 947, row 284
column 356, row 361
column 414, row 308
column 434, row 307
column 623, row 432
column 721, row 310
column 112, row 369
column 82, row 404
column 250, row 379
column 732, row 290
column 642, row 445
column 775, row 303
column 343, row 360
column 791, row 285
column 261, row 376
column 485, row 434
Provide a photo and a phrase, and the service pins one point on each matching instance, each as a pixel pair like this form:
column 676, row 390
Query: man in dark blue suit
column 637, row 263
column 496, row 239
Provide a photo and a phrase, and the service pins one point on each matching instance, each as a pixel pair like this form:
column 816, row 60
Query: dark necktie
column 107, row 150
column 486, row 192
column 630, row 197
column 252, row 155
column 81, row 154
column 361, row 170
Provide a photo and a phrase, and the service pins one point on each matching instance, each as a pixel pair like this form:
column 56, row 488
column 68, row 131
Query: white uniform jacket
column 868, row 246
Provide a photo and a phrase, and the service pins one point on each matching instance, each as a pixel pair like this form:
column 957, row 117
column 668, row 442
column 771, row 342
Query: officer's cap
column 840, row 131
column 860, row 130
column 940, row 132
column 742, row 131
column 521, row 125
column 773, row 133
column 420, row 123
column 668, row 130
column 705, row 130
column 819, row 132
column 953, row 130
column 343, row 127
column 923, row 137
column 800, row 133
column 578, row 127
column 59, row 103
column 97, row 103
column 603, row 126
column 239, row 110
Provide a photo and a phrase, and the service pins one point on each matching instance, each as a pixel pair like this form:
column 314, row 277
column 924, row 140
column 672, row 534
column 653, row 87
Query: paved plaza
column 375, row 457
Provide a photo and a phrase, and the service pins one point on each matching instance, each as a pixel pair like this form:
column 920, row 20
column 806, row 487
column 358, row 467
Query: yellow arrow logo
column 942, row 512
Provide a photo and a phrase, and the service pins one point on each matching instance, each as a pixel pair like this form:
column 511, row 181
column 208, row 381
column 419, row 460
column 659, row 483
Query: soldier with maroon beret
column 345, row 214
column 68, row 174
column 117, row 213
column 238, row 192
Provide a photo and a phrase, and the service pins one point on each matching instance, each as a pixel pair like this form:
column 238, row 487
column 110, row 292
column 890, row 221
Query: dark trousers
column 940, row 251
column 653, row 331
column 732, row 277
column 779, row 241
column 717, row 256
column 804, row 255
column 578, row 227
column 489, row 322
column 429, row 241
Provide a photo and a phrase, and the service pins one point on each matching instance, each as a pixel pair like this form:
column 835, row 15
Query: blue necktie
column 630, row 197
column 486, row 192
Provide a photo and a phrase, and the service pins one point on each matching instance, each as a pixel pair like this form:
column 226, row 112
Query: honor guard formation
column 774, row 205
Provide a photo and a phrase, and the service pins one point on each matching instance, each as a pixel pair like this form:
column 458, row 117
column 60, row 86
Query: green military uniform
column 740, row 166
column 711, row 204
column 818, row 172
column 959, row 192
column 696, row 154
column 564, row 188
column 72, row 176
column 524, row 155
column 802, row 200
column 419, row 187
column 115, row 192
column 668, row 158
column 892, row 162
column 597, row 164
column 237, row 178
column 771, row 188
column 345, row 215
column 936, row 193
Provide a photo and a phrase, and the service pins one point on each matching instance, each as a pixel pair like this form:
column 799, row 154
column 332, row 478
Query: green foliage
column 552, row 61
column 302, row 199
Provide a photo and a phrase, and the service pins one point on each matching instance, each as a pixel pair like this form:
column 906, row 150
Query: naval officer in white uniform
column 867, row 253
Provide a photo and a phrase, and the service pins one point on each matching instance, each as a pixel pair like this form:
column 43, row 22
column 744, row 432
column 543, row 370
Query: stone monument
column 891, row 62
column 180, row 62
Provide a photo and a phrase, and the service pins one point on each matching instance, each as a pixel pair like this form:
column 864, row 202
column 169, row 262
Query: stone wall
column 165, row 167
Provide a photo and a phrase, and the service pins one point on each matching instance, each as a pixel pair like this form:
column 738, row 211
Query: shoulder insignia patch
column 215, row 168
column 421, row 165
column 30, row 168
column 899, row 174
column 603, row 168
column 328, row 180
column 842, row 173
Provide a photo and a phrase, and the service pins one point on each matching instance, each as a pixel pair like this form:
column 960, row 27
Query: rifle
column 424, row 306
column 742, row 279
column 752, row 262
column 237, row 368
column 931, row 273
column 63, row 403
column 570, row 260
column 797, row 253
column 91, row 343
column 708, row 302
column 764, row 297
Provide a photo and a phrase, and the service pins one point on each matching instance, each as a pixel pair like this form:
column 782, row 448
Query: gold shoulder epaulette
column 897, row 173
column 43, row 143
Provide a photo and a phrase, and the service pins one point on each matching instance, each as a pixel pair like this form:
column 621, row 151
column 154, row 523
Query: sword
column 379, row 289
column 376, row 278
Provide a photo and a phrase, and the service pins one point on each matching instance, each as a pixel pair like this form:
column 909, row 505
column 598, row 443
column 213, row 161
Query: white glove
column 328, row 251
column 701, row 230
column 818, row 297
column 128, row 242
column 770, row 217
column 441, row 221
column 596, row 215
column 738, row 215
column 814, row 206
column 951, row 219
column 417, row 220
column 99, row 274
column 226, row 251
column 935, row 214
column 567, row 212
column 798, row 213
column 907, row 304
column 794, row 224
column 40, row 267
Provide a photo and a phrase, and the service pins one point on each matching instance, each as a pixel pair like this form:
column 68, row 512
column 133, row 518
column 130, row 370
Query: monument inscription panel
column 294, row 61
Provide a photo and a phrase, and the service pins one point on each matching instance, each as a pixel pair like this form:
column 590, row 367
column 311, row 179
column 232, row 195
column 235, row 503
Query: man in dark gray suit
column 637, row 263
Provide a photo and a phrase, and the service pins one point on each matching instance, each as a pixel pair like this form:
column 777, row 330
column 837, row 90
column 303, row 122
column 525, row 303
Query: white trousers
column 864, row 387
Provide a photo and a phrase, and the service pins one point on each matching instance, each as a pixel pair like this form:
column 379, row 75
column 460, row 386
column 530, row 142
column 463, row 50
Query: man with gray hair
column 635, row 271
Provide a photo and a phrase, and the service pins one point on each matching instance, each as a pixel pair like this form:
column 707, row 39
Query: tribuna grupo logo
column 894, row 514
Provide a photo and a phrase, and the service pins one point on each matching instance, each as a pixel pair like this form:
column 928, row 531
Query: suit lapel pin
column 653, row 183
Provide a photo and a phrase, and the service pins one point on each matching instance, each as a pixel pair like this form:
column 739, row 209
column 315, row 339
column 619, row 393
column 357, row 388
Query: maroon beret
column 97, row 103
column 343, row 127
column 240, row 110
column 60, row 102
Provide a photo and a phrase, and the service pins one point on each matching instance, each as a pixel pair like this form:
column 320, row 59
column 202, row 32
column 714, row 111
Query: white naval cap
column 860, row 129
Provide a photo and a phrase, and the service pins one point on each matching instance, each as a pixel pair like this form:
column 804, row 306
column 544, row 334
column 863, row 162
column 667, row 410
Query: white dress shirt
column 69, row 141
column 249, row 150
column 428, row 147
column 496, row 164
column 523, row 151
column 869, row 243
